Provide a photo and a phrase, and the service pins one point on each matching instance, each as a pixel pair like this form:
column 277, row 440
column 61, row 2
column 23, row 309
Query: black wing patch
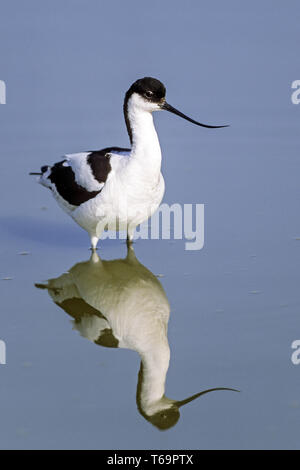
column 64, row 179
column 99, row 162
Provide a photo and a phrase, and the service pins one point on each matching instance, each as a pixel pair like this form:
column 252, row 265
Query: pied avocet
column 116, row 188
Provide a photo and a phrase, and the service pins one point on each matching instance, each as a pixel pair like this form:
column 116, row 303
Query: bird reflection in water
column 121, row 304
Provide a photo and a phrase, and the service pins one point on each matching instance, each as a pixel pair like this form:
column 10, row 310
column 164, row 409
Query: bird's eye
column 148, row 94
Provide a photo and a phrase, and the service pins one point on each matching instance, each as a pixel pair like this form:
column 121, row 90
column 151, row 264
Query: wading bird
column 116, row 188
column 121, row 304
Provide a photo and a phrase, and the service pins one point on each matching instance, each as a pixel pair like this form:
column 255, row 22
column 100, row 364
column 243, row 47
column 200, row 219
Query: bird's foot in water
column 93, row 249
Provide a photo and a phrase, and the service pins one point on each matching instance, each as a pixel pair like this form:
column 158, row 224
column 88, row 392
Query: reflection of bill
column 121, row 304
column 2, row 352
column 295, row 358
column 2, row 92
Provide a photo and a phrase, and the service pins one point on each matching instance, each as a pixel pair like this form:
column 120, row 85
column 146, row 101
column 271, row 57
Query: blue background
column 67, row 65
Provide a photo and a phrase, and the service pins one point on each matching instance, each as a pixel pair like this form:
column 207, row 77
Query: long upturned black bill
column 170, row 108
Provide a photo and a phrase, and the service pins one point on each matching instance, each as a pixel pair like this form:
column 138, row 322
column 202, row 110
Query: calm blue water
column 235, row 304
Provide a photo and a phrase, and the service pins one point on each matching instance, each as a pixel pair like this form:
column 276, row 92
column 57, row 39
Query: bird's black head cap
column 149, row 88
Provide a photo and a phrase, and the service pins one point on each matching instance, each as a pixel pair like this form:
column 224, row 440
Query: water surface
column 234, row 305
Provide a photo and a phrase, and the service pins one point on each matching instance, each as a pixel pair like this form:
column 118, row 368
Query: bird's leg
column 99, row 230
column 94, row 241
column 130, row 235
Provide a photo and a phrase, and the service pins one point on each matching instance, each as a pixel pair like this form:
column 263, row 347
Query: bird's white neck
column 142, row 133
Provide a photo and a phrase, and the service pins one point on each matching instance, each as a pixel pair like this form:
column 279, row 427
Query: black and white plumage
column 80, row 177
column 116, row 188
